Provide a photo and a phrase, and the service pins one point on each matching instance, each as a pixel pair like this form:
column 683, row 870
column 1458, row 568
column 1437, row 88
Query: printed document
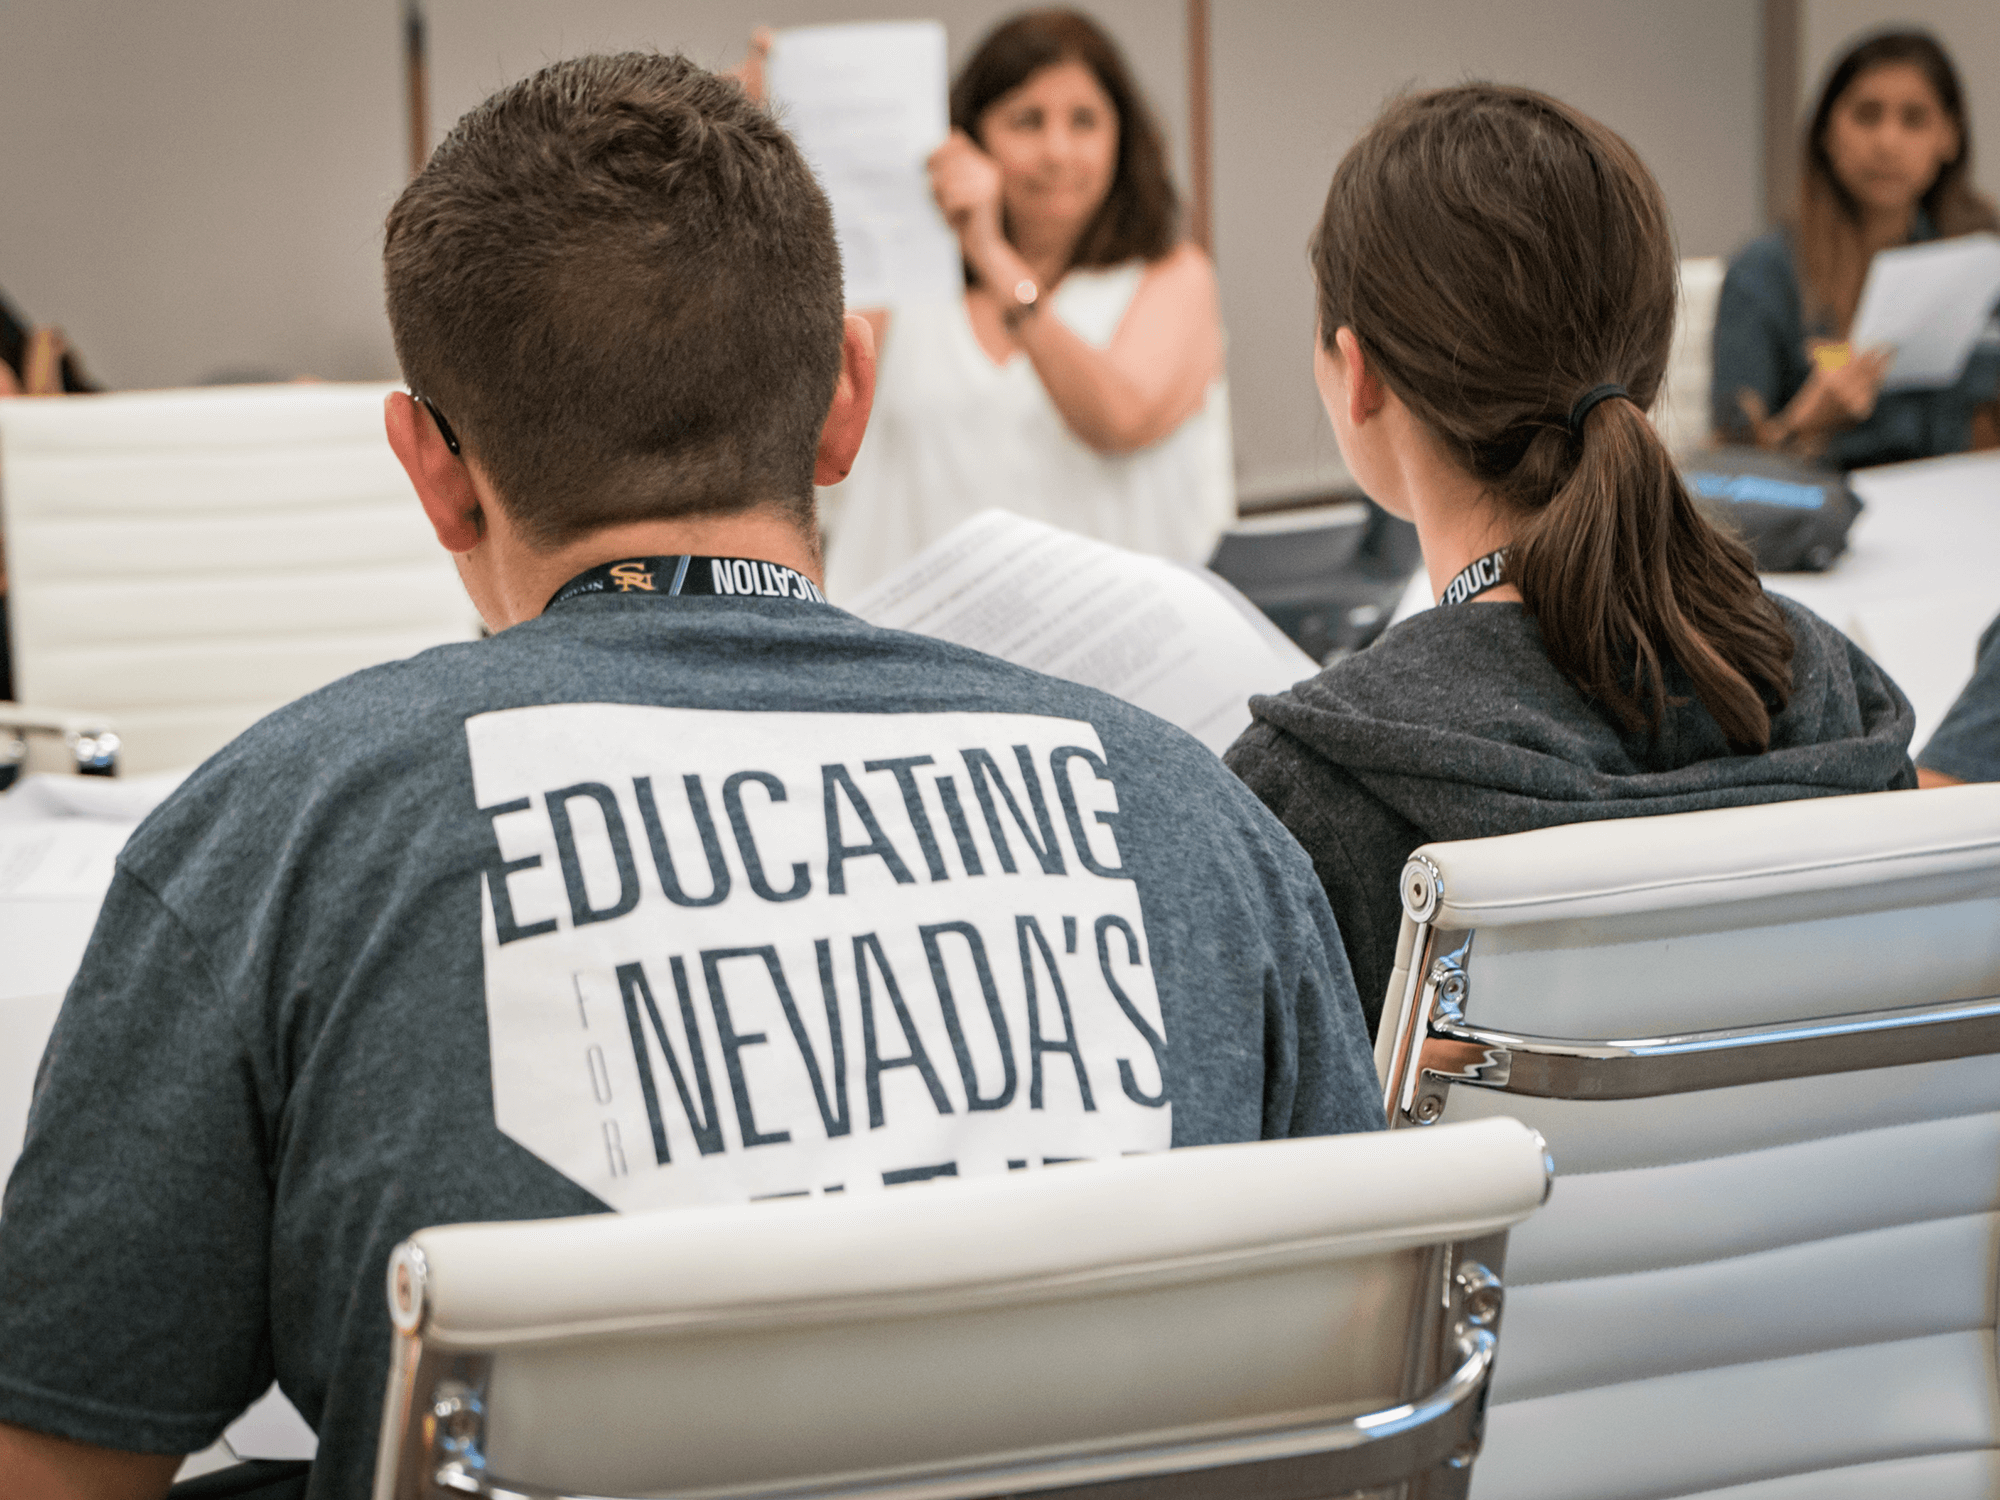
column 1176, row 641
column 1930, row 302
column 866, row 103
column 62, row 860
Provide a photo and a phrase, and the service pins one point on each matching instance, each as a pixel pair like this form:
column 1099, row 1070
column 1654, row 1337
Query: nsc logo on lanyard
column 692, row 576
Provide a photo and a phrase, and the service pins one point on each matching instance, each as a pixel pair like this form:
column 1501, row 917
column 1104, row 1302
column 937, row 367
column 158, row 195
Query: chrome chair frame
column 89, row 739
column 1422, row 1447
column 1743, row 1030
column 1435, row 1047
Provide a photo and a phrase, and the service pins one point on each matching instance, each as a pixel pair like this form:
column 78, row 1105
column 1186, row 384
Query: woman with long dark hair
column 1887, row 162
column 1078, row 380
column 1497, row 290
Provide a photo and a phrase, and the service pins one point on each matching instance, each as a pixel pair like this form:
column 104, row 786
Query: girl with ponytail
column 1497, row 288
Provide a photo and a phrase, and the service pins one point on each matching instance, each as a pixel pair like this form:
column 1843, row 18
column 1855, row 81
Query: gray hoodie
column 1456, row 725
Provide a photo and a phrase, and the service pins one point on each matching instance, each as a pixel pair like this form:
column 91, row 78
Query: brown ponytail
column 1497, row 255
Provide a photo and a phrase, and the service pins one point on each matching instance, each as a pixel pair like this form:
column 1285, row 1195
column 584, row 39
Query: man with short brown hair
column 619, row 281
column 684, row 888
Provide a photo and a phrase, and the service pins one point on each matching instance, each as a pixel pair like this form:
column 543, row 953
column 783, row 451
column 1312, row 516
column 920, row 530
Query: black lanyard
column 1475, row 578
column 679, row 577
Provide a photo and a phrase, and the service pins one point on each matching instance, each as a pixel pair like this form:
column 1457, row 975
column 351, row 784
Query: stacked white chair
column 1681, row 412
column 183, row 562
column 1760, row 1043
column 1289, row 1319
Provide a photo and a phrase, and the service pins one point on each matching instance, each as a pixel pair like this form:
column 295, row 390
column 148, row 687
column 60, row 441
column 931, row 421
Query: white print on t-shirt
column 737, row 955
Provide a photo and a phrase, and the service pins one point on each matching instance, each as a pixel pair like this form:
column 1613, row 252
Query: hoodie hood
column 1458, row 721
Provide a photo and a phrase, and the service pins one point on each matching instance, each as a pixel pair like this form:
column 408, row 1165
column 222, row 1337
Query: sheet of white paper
column 1930, row 302
column 866, row 103
column 120, row 799
column 271, row 1427
column 1176, row 641
column 62, row 859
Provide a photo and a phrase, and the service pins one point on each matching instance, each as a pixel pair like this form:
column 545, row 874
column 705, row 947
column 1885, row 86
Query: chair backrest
column 1311, row 1317
column 1681, row 413
column 183, row 562
column 1760, row 1044
column 1313, row 573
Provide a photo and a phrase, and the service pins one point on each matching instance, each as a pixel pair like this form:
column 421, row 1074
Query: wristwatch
column 1027, row 302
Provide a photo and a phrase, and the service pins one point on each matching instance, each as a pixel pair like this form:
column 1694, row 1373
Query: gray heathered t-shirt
column 643, row 903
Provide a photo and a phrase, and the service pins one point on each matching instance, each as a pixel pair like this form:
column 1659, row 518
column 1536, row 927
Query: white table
column 43, row 930
column 53, row 872
column 1918, row 583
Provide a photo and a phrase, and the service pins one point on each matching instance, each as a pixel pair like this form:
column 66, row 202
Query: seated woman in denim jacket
column 1886, row 161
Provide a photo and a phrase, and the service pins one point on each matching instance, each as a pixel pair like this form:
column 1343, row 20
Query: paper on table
column 1176, row 641
column 122, row 799
column 866, row 103
column 61, row 859
column 1930, row 302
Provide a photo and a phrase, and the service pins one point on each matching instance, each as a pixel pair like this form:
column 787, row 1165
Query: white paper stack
column 866, row 104
column 1930, row 303
column 1174, row 640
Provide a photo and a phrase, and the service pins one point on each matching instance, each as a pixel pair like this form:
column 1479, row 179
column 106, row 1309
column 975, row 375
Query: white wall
column 197, row 187
column 1296, row 81
column 207, row 179
column 1970, row 31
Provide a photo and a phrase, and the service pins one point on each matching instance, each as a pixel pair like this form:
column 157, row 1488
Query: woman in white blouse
column 1079, row 379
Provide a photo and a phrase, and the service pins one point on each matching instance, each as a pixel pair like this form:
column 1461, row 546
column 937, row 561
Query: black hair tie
column 1587, row 403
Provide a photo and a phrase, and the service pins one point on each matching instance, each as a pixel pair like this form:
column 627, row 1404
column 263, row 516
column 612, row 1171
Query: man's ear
column 853, row 399
column 444, row 486
column 1366, row 395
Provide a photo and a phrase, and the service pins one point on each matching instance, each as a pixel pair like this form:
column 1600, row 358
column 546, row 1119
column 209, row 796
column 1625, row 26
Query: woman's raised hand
column 1841, row 394
column 966, row 183
column 750, row 72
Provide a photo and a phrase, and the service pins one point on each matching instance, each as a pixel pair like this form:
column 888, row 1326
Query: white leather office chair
column 183, row 562
column 1681, row 412
column 1304, row 1318
column 1760, row 1044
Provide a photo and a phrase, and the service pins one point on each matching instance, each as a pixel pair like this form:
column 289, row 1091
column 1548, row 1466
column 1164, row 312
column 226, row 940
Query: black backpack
column 1794, row 515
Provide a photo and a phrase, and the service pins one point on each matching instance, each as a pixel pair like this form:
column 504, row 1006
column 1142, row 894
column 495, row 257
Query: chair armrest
column 1645, row 1067
column 89, row 738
